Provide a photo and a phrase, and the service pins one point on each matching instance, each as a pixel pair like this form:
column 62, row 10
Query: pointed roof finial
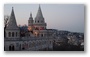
column 39, row 13
column 39, row 7
column 12, row 7
column 12, row 13
column 12, row 21
column 30, row 14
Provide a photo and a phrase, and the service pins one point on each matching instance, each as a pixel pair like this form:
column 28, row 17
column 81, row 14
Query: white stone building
column 40, row 38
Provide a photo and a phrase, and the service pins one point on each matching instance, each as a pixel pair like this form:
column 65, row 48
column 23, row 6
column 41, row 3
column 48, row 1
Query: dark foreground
column 67, row 48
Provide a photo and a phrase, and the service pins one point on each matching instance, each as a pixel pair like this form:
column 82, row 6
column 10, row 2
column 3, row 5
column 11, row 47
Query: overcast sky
column 68, row 17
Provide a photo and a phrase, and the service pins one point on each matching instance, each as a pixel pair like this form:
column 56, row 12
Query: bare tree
column 6, row 20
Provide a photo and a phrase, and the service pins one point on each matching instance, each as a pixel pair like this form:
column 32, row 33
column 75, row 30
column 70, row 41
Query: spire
column 39, row 13
column 31, row 16
column 39, row 7
column 12, row 13
column 12, row 21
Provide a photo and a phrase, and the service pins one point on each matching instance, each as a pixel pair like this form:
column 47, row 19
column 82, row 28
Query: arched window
column 12, row 34
column 38, row 21
column 9, row 34
column 16, row 34
column 28, row 21
column 36, row 28
column 41, row 35
column 29, row 34
column 50, row 42
column 11, row 48
column 33, row 44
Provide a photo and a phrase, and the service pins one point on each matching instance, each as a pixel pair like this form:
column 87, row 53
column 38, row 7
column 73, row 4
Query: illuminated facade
column 37, row 26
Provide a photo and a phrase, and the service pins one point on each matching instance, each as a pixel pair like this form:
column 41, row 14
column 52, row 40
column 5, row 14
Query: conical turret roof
column 12, row 21
column 39, row 13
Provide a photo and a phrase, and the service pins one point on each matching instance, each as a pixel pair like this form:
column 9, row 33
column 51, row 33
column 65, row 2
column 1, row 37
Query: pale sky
column 68, row 17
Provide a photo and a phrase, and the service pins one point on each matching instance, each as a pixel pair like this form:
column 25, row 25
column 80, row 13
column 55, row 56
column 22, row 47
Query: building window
column 29, row 34
column 29, row 21
column 36, row 28
column 50, row 42
column 16, row 34
column 41, row 28
column 12, row 34
column 44, row 34
column 38, row 21
column 41, row 35
column 9, row 34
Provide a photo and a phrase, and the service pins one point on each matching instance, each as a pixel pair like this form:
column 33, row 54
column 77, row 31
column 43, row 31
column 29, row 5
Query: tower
column 30, row 23
column 39, row 24
column 12, row 30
